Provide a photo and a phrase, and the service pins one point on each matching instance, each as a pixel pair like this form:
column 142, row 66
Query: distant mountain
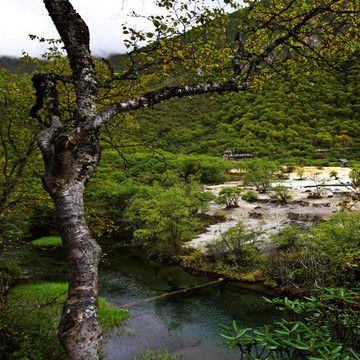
column 13, row 64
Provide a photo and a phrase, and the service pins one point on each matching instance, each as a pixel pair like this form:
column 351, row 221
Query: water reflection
column 186, row 323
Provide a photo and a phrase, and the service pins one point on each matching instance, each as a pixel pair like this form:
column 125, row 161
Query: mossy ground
column 48, row 241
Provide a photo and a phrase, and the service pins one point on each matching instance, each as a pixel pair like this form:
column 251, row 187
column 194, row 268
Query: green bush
column 325, row 326
column 206, row 169
column 260, row 174
column 236, row 246
column 166, row 221
column 296, row 261
column 230, row 196
column 282, row 194
column 327, row 254
column 250, row 196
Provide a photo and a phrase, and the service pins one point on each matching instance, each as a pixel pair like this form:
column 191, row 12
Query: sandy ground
column 301, row 210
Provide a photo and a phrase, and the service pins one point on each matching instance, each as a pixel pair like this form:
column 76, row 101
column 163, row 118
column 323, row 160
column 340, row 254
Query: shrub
column 165, row 222
column 295, row 260
column 325, row 326
column 236, row 245
column 327, row 254
column 259, row 174
column 250, row 196
column 282, row 194
column 207, row 169
column 229, row 196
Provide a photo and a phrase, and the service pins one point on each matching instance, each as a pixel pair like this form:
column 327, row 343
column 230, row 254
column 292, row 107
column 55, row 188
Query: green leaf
column 354, row 354
column 224, row 327
column 337, row 349
column 301, row 347
column 228, row 337
column 272, row 341
column 234, row 325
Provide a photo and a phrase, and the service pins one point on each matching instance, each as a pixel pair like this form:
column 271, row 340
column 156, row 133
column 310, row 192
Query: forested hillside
column 319, row 111
column 280, row 120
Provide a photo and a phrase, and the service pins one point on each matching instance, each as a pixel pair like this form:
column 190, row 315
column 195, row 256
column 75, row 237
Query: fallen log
column 170, row 293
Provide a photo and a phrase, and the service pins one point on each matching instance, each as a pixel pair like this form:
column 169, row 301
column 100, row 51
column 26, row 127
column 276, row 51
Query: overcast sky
column 19, row 18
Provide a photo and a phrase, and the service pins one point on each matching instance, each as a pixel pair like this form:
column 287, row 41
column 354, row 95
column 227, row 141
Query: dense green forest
column 281, row 120
column 284, row 119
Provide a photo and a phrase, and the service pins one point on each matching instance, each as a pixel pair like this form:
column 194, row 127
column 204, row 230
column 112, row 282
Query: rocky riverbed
column 302, row 209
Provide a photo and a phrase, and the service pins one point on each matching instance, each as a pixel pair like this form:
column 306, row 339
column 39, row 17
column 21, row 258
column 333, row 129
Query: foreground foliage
column 28, row 324
column 323, row 326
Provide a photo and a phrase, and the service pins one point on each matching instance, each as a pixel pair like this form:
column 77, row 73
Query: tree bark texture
column 68, row 167
column 65, row 178
column 67, row 172
column 79, row 331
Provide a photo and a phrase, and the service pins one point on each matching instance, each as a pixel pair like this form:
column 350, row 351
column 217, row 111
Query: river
column 186, row 323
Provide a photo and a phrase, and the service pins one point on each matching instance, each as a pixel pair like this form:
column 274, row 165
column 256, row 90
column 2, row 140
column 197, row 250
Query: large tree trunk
column 70, row 162
column 79, row 331
column 67, row 171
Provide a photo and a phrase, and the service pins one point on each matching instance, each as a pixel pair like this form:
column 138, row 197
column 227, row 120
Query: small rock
column 255, row 215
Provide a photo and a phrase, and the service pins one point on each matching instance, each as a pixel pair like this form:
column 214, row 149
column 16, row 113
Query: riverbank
column 304, row 210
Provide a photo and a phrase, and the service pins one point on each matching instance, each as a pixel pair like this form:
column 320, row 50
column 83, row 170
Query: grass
column 111, row 317
column 28, row 325
column 163, row 355
column 48, row 241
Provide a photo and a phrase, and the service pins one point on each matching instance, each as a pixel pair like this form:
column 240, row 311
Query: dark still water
column 186, row 323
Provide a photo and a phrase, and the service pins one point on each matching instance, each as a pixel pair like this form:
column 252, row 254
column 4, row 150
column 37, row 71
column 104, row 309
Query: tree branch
column 47, row 136
column 75, row 35
column 150, row 99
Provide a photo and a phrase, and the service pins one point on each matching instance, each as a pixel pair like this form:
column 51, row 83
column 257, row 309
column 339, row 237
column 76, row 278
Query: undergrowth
column 28, row 324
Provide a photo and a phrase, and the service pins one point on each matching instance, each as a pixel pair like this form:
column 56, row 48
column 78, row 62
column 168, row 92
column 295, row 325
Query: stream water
column 186, row 323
